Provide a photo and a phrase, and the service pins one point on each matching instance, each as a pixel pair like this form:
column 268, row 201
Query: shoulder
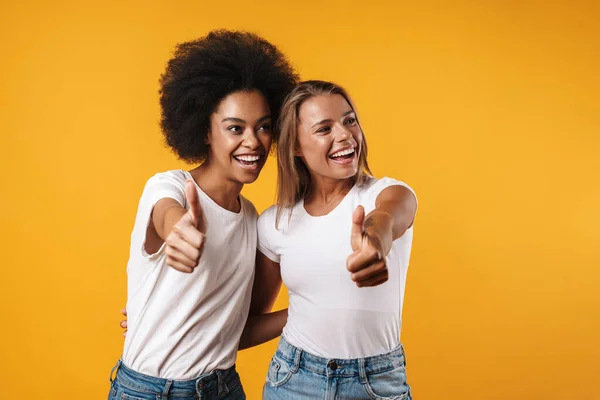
column 373, row 184
column 176, row 177
column 166, row 184
column 267, row 217
column 372, row 187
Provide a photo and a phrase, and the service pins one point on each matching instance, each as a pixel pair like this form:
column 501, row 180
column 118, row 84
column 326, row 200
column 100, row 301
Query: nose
column 250, row 140
column 343, row 133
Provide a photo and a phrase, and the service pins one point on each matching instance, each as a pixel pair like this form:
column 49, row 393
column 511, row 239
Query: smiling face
column 240, row 136
column 329, row 137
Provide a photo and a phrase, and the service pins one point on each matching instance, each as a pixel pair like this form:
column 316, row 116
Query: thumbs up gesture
column 186, row 240
column 367, row 263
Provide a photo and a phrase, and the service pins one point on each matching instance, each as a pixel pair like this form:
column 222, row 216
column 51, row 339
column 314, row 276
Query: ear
column 208, row 137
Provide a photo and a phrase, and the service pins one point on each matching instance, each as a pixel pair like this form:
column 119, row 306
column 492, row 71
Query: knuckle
column 372, row 253
column 349, row 264
column 171, row 238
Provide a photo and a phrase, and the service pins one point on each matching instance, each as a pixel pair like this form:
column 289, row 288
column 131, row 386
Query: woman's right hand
column 123, row 323
column 185, row 241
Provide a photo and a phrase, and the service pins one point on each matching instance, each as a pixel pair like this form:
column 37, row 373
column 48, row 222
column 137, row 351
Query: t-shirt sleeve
column 267, row 234
column 160, row 186
column 384, row 183
column 165, row 185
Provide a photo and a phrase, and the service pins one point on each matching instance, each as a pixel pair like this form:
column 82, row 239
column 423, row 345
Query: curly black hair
column 205, row 71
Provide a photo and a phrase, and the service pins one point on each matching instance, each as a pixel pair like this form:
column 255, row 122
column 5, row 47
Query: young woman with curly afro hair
column 193, row 246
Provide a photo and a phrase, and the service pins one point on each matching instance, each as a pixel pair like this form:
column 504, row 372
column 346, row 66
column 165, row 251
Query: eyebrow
column 330, row 120
column 241, row 121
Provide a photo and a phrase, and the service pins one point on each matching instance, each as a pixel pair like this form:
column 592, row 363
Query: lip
column 342, row 149
column 345, row 161
column 255, row 166
column 249, row 154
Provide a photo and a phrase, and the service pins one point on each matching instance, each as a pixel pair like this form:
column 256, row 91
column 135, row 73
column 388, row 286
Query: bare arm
column 262, row 324
column 394, row 213
column 165, row 214
column 372, row 235
column 182, row 230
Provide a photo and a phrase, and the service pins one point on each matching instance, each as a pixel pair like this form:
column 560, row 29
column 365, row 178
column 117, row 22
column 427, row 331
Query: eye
column 350, row 121
column 265, row 128
column 235, row 129
column 323, row 129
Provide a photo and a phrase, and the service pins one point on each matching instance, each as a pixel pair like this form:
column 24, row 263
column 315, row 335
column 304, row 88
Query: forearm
column 389, row 216
column 165, row 216
column 395, row 210
column 387, row 222
column 262, row 328
column 378, row 226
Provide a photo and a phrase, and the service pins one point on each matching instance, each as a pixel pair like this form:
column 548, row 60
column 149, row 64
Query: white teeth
column 343, row 153
column 248, row 158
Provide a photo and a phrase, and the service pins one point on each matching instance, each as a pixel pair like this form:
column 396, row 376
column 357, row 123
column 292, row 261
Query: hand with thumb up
column 371, row 241
column 185, row 242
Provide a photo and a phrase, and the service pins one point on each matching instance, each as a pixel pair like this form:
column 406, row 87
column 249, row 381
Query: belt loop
column 223, row 389
column 165, row 392
column 297, row 356
column 362, row 371
column 199, row 386
column 116, row 367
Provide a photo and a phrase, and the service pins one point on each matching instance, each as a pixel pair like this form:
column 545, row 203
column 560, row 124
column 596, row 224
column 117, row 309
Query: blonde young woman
column 340, row 240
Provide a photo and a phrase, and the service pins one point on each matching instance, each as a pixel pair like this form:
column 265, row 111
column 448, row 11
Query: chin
column 247, row 178
column 349, row 173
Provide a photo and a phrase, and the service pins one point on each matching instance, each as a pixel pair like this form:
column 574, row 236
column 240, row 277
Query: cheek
column 266, row 141
column 223, row 145
column 358, row 136
column 313, row 148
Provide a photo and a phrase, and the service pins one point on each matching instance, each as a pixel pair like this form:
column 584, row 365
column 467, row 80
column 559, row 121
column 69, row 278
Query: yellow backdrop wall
column 490, row 110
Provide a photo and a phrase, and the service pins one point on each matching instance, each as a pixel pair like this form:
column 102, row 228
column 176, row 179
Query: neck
column 221, row 190
column 327, row 190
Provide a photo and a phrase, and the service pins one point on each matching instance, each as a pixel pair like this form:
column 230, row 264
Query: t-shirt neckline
column 345, row 199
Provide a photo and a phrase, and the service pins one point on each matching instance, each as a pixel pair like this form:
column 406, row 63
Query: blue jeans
column 296, row 374
column 218, row 384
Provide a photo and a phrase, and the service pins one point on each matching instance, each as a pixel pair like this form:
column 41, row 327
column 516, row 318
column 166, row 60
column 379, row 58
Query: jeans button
column 332, row 365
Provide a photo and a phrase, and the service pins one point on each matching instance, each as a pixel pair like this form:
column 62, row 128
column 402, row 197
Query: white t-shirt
column 328, row 314
column 183, row 325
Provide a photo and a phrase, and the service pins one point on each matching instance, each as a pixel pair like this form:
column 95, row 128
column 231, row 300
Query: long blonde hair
column 293, row 178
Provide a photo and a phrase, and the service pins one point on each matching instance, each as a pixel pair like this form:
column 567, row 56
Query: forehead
column 245, row 105
column 317, row 108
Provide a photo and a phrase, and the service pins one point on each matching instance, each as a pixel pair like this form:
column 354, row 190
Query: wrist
column 379, row 225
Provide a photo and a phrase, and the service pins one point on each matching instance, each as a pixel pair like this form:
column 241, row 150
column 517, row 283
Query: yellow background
column 490, row 110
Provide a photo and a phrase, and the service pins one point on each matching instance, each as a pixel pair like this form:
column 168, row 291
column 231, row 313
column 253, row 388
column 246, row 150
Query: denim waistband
column 362, row 367
column 217, row 379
